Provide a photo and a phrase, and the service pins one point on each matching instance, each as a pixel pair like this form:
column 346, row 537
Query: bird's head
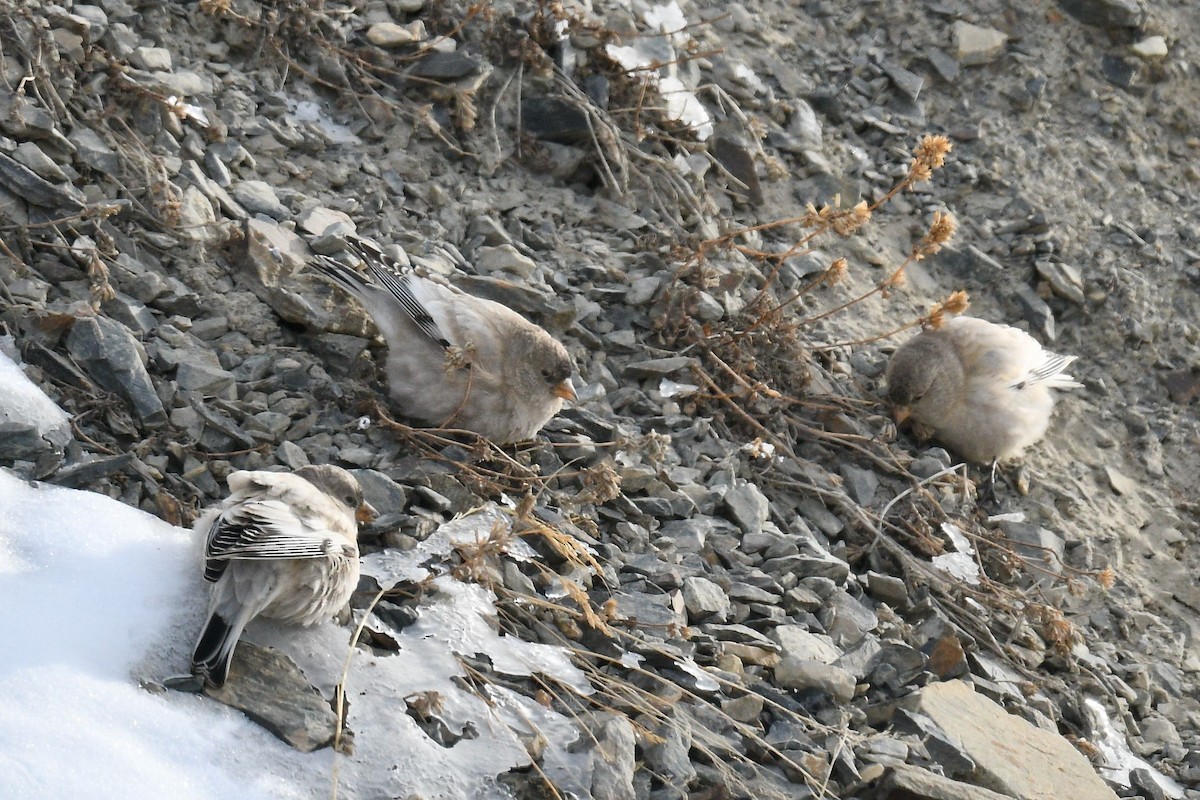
column 342, row 487
column 924, row 377
column 542, row 366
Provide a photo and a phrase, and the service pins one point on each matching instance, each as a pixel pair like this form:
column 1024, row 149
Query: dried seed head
column 956, row 303
column 941, row 230
column 836, row 272
column 1107, row 578
column 847, row 222
column 929, row 156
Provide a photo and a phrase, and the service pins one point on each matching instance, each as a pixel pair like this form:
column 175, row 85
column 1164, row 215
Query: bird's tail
column 214, row 649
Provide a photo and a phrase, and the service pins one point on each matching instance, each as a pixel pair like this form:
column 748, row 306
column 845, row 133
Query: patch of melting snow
column 658, row 55
column 960, row 564
column 23, row 401
column 1119, row 759
column 310, row 112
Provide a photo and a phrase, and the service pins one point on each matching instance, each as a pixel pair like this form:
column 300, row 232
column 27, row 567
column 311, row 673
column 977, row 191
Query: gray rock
column 275, row 259
column 800, row 644
column 977, row 45
column 200, row 371
column 846, row 619
column 861, row 484
column 258, row 197
column 151, row 58
column 860, row 659
column 815, row 512
column 793, row 673
column 1035, row 309
column 914, row 783
column 1033, row 763
column 705, row 600
column 1065, row 280
column 505, row 258
column 669, row 755
column 31, row 155
column 270, row 689
column 944, row 752
column 611, row 742
column 23, row 441
column 659, row 367
column 111, row 355
column 1107, row 13
column 747, row 506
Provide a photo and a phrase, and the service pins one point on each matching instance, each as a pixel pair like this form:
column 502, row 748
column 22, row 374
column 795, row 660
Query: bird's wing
column 1050, row 372
column 1008, row 354
column 263, row 529
column 398, row 280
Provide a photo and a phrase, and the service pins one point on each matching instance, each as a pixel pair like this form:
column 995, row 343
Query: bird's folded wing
column 397, row 279
column 265, row 529
column 1050, row 372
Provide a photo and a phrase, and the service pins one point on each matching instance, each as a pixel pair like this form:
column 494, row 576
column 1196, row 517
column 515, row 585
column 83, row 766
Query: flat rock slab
column 1011, row 756
column 268, row 687
column 913, row 783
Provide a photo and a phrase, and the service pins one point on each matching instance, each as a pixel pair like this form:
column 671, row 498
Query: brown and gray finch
column 984, row 390
column 456, row 360
column 283, row 545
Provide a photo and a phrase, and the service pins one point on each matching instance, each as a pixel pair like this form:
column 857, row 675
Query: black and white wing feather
column 261, row 529
column 397, row 279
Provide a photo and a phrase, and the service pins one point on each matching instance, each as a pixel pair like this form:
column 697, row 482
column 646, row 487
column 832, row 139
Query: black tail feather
column 214, row 650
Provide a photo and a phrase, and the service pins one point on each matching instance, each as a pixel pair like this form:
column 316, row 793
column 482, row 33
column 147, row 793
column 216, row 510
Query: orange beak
column 365, row 513
column 565, row 390
column 901, row 413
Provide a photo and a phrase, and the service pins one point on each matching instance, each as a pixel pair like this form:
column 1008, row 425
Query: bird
column 982, row 389
column 456, row 360
column 283, row 545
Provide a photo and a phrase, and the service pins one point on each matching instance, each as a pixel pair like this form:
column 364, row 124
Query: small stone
column 904, row 780
column 610, row 743
column 748, row 507
column 321, row 221
column 1065, row 280
column 643, row 290
column 258, row 197
column 860, row 483
column 705, row 600
column 155, row 59
column 31, row 155
column 505, row 258
column 91, row 150
column 1150, row 48
column 746, row 708
column 801, row 644
column 389, row 34
column 201, row 372
column 1107, row 13
column 792, row 673
column 1120, row 483
column 271, row 690
column 116, row 360
column 659, row 367
column 977, row 45
column 552, row 119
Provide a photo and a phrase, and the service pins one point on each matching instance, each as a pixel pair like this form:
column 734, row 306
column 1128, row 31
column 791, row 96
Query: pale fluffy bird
column 983, row 390
column 456, row 360
column 283, row 545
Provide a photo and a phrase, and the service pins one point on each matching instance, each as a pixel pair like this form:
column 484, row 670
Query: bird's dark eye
column 546, row 374
column 351, row 500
